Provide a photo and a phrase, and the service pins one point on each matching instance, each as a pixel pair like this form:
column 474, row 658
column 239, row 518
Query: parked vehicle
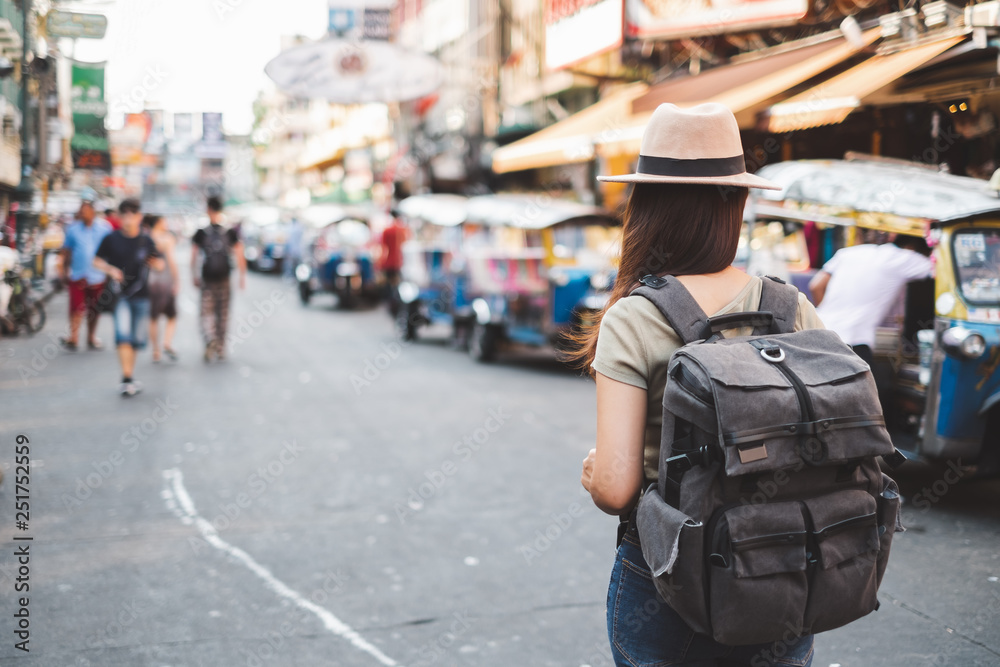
column 432, row 290
column 339, row 260
column 536, row 268
column 939, row 364
column 263, row 231
column 19, row 309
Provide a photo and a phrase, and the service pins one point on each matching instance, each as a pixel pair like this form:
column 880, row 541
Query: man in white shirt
column 857, row 288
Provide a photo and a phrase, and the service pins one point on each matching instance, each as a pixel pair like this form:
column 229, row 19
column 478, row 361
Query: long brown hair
column 669, row 229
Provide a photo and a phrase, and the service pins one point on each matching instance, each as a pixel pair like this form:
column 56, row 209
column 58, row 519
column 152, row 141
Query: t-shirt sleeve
column 69, row 241
column 104, row 251
column 915, row 266
column 199, row 237
column 154, row 251
column 621, row 350
column 833, row 263
column 233, row 236
column 807, row 317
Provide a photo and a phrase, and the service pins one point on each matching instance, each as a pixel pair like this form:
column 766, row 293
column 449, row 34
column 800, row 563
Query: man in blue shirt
column 85, row 282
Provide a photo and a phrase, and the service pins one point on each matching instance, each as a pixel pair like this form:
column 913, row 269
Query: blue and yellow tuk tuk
column 432, row 290
column 537, row 266
column 937, row 362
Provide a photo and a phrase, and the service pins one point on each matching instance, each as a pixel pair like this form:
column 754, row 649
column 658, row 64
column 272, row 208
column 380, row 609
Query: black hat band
column 700, row 167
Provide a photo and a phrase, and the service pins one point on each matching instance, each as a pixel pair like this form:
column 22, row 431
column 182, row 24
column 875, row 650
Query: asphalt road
column 329, row 496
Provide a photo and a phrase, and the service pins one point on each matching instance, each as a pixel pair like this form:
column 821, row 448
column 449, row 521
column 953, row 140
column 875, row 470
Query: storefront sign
column 213, row 143
column 579, row 29
column 89, row 145
column 655, row 19
column 352, row 21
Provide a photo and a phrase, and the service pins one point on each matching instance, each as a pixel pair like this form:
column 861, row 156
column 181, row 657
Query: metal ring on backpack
column 774, row 360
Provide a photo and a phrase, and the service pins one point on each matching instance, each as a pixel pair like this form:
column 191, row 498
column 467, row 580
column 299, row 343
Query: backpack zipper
column 805, row 403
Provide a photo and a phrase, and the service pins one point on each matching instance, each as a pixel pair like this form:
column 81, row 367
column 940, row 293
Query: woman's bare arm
column 612, row 472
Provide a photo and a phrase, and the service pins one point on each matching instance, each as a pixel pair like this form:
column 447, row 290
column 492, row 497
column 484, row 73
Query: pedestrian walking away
column 293, row 248
column 214, row 247
column 163, row 287
column 127, row 256
column 84, row 282
column 682, row 219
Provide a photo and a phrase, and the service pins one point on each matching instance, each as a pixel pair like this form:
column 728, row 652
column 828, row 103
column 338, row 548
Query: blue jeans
column 646, row 632
column 132, row 322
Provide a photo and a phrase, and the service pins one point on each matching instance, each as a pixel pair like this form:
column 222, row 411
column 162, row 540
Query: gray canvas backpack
column 771, row 518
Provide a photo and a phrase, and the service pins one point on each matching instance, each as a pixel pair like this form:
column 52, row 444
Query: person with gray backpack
column 738, row 449
column 215, row 246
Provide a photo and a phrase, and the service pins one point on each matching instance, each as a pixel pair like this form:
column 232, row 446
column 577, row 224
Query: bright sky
column 195, row 55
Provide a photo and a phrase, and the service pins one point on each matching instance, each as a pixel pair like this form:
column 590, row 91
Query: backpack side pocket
column 672, row 544
column 888, row 522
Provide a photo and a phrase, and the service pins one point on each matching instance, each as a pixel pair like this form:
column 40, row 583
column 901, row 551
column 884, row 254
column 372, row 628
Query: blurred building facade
column 915, row 84
column 312, row 151
column 11, row 36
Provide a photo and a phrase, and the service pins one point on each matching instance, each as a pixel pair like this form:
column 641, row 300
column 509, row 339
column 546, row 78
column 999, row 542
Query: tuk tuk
column 338, row 259
column 433, row 278
column 537, row 267
column 936, row 362
column 262, row 230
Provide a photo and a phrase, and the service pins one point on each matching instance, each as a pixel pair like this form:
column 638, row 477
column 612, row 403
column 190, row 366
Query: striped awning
column 744, row 87
column 832, row 101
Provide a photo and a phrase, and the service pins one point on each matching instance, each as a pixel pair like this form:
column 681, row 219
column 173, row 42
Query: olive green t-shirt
column 635, row 342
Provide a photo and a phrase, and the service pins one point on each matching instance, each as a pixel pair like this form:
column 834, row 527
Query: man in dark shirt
column 216, row 247
column 126, row 256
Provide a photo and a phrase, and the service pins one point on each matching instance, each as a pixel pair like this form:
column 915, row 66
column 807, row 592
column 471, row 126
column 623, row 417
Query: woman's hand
column 587, row 477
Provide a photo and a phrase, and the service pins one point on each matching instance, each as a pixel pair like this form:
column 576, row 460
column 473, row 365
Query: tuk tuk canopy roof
column 320, row 215
column 531, row 211
column 254, row 214
column 443, row 210
column 906, row 190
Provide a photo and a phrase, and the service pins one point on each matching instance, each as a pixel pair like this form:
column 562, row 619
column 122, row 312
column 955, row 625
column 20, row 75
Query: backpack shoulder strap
column 676, row 304
column 782, row 301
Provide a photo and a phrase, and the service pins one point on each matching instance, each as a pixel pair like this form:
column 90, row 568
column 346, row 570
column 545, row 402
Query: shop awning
column 571, row 139
column 832, row 101
column 744, row 87
column 309, row 163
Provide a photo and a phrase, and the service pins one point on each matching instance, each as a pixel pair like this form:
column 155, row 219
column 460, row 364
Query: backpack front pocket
column 844, row 550
column 757, row 561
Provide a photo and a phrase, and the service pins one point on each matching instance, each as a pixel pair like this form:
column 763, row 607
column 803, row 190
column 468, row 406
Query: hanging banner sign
column 75, row 25
column 89, row 145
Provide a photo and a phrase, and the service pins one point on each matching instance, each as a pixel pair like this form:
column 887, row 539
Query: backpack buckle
column 656, row 282
column 773, row 353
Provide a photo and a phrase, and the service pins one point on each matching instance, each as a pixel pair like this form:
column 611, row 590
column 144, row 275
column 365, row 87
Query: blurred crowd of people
column 125, row 263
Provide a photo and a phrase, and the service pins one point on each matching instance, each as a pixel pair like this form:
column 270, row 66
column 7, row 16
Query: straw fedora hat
column 696, row 145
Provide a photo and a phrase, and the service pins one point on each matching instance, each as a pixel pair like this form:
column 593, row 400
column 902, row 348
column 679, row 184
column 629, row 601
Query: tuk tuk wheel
column 483, row 342
column 305, row 293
